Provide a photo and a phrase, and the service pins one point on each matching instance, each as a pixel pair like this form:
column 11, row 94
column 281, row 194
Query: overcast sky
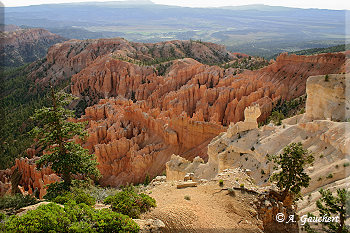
column 322, row 4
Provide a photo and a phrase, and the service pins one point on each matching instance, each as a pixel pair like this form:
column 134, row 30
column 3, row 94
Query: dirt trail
column 208, row 210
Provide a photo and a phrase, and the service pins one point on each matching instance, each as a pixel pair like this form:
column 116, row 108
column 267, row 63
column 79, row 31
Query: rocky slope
column 247, row 146
column 20, row 46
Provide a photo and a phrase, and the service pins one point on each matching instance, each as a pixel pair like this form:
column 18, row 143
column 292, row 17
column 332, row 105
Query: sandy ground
column 209, row 209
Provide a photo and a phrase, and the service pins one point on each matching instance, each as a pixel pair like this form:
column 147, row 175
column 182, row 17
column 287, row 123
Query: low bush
column 46, row 218
column 130, row 203
column 2, row 216
column 85, row 198
column 72, row 218
column 16, row 201
column 56, row 189
column 77, row 196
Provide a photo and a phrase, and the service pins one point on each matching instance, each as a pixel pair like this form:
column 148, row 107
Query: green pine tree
column 292, row 176
column 332, row 206
column 55, row 134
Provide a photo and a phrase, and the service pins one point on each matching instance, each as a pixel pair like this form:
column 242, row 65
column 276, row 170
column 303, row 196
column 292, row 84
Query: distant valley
column 257, row 30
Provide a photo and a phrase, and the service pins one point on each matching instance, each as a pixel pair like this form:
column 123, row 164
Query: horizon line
column 135, row 2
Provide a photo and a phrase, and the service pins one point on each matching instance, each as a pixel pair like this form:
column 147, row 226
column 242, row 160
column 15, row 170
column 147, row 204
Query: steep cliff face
column 327, row 98
column 20, row 46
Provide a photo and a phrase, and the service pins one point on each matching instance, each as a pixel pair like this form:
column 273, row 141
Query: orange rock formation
column 33, row 179
column 180, row 111
column 144, row 115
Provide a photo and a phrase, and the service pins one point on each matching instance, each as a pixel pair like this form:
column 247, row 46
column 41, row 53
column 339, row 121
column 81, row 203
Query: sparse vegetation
column 221, row 182
column 284, row 109
column 329, row 176
column 187, row 197
column 276, row 117
column 246, row 63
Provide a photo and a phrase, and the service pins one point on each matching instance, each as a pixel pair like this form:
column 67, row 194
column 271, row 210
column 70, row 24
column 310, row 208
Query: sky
column 322, row 4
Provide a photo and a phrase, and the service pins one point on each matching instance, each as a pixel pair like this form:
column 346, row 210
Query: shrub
column 16, row 201
column 85, row 198
column 130, row 203
column 276, row 117
column 2, row 216
column 221, row 182
column 326, row 78
column 63, row 199
column 187, row 197
column 46, row 218
column 55, row 189
column 347, row 164
column 72, row 218
column 241, row 185
column 147, row 180
column 147, row 202
column 78, row 197
column 108, row 221
column 330, row 176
